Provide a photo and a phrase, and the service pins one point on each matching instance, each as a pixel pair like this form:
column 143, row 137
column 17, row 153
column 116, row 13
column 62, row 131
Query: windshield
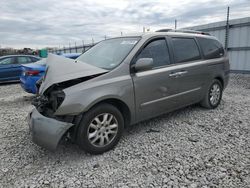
column 109, row 53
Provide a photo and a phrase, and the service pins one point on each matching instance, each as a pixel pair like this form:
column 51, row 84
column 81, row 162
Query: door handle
column 177, row 74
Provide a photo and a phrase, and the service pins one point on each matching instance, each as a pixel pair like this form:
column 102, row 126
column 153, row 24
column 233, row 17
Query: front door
column 152, row 87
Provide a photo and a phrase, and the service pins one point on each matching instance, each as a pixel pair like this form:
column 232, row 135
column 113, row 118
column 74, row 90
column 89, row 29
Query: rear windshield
column 109, row 53
column 41, row 62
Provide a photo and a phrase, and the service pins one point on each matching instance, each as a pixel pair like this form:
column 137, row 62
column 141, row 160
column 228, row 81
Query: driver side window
column 158, row 51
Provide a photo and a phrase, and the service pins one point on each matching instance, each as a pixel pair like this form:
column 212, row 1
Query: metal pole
column 227, row 30
column 75, row 47
column 175, row 24
column 69, row 48
column 83, row 46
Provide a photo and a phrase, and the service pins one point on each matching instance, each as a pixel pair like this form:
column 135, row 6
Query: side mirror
column 143, row 64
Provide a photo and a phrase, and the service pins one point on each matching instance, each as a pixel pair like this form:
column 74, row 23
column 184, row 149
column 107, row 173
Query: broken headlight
column 56, row 98
column 49, row 103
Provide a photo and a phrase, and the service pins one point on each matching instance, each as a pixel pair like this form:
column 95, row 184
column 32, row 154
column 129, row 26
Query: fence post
column 227, row 30
column 83, row 47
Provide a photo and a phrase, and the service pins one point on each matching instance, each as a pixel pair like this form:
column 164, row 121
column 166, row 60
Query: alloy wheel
column 215, row 94
column 102, row 130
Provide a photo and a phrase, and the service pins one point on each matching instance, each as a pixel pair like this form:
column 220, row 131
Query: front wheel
column 100, row 129
column 213, row 96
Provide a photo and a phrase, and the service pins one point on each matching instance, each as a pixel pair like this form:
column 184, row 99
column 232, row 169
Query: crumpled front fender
column 46, row 132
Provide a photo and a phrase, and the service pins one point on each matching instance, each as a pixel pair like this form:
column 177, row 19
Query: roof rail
column 183, row 31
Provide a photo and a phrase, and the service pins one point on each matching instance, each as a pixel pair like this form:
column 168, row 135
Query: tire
column 208, row 102
column 95, row 135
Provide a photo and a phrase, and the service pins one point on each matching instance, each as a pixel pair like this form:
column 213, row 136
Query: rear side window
column 158, row 51
column 23, row 60
column 185, row 49
column 211, row 48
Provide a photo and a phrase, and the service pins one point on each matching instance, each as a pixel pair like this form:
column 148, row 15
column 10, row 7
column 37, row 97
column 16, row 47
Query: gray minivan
column 122, row 81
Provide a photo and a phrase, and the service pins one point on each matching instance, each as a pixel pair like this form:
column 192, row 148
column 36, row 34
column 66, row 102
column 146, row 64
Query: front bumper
column 46, row 132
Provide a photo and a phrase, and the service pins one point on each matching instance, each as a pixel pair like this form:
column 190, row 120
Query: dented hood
column 60, row 69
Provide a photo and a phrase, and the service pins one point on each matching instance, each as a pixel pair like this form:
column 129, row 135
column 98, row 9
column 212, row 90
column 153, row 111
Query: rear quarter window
column 34, row 59
column 185, row 49
column 211, row 48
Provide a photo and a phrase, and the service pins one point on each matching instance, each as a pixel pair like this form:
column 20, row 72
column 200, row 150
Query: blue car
column 33, row 72
column 11, row 66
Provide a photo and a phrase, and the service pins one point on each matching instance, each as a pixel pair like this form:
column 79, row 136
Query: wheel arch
column 120, row 105
column 221, row 80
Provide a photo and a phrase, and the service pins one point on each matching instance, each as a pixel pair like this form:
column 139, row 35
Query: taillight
column 32, row 72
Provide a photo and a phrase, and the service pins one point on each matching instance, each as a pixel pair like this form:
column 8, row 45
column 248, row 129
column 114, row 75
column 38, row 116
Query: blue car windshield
column 109, row 53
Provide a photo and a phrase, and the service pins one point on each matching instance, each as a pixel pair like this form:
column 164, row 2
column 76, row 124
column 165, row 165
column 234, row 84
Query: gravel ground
column 191, row 147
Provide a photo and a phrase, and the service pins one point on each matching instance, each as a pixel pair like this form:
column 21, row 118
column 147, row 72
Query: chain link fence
column 74, row 49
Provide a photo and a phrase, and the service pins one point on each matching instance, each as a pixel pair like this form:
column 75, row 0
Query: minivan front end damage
column 46, row 132
column 46, row 128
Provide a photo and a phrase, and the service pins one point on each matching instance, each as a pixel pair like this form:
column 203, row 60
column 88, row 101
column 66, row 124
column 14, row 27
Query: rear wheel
column 100, row 129
column 213, row 96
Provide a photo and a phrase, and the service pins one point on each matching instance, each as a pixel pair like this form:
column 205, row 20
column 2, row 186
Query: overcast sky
column 40, row 23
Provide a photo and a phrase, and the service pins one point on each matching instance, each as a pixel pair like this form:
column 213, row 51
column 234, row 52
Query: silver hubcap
column 102, row 130
column 215, row 94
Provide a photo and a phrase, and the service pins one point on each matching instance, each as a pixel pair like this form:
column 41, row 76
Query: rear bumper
column 29, row 84
column 226, row 80
column 25, row 87
column 46, row 132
